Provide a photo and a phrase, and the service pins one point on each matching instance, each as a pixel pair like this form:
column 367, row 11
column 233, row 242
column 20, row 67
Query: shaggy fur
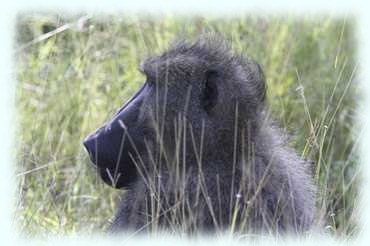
column 207, row 156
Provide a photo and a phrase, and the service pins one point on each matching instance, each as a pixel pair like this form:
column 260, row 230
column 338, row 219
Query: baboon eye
column 210, row 92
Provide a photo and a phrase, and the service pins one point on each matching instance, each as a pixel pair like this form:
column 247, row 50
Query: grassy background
column 71, row 82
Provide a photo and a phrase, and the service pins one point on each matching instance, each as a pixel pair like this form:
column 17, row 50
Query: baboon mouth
column 116, row 167
column 92, row 160
column 117, row 173
column 110, row 178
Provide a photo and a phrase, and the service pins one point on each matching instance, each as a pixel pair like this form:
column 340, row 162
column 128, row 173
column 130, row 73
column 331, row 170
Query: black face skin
column 114, row 146
column 116, row 149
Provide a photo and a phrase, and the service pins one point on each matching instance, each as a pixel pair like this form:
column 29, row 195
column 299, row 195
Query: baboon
column 196, row 151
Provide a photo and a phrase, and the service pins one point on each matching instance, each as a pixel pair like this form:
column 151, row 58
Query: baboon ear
column 210, row 92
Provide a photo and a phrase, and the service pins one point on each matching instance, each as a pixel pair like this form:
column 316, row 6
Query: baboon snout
column 113, row 148
column 90, row 144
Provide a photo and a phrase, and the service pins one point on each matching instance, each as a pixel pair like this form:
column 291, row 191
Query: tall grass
column 72, row 81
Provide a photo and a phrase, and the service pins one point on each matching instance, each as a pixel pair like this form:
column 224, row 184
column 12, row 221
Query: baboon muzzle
column 113, row 148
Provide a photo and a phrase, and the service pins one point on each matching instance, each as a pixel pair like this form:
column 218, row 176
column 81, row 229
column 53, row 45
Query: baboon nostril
column 89, row 144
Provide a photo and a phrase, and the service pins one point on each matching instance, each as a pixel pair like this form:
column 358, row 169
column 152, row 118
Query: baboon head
column 199, row 90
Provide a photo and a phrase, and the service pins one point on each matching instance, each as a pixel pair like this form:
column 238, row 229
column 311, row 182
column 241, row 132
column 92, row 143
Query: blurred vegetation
column 71, row 81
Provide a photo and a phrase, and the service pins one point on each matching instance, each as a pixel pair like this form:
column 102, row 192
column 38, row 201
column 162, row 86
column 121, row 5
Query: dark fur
column 211, row 158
